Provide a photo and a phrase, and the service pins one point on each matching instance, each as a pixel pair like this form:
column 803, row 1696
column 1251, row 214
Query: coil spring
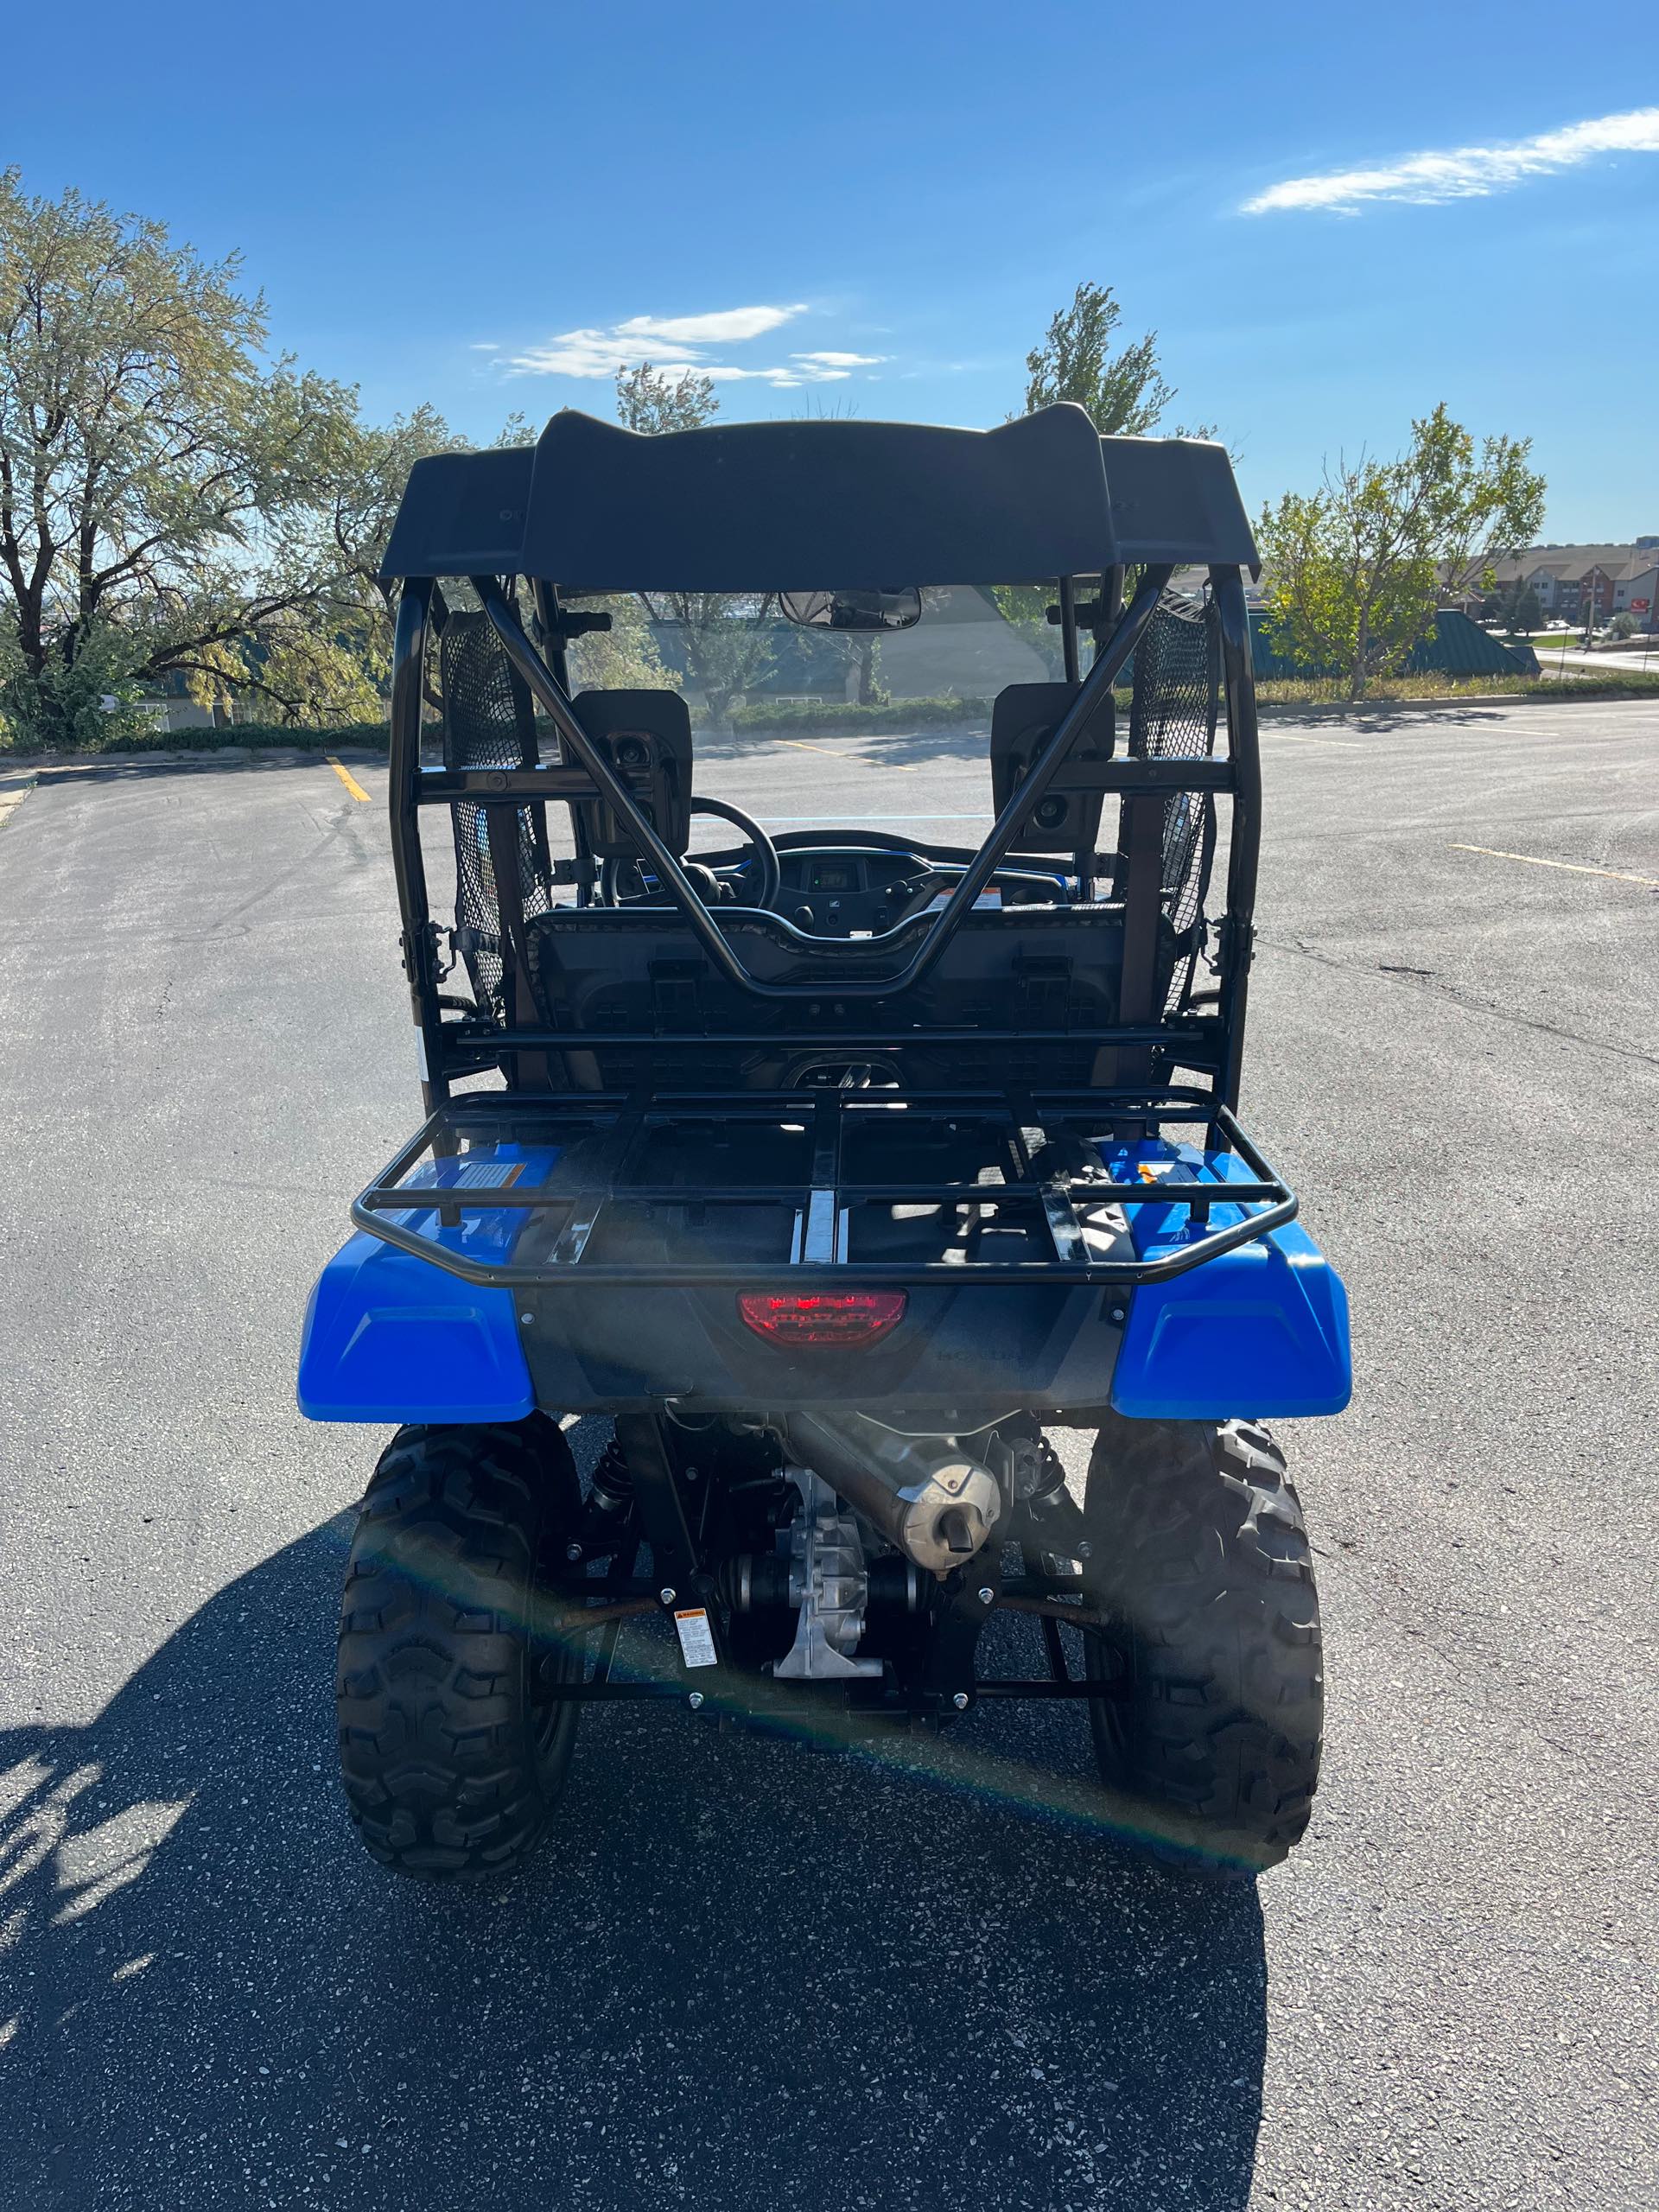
column 613, row 1484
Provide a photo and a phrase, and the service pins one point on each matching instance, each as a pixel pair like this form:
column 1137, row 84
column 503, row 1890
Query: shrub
column 146, row 738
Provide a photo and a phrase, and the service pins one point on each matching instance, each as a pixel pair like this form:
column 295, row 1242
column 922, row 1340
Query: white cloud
column 731, row 327
column 723, row 373
column 590, row 353
column 677, row 346
column 1465, row 172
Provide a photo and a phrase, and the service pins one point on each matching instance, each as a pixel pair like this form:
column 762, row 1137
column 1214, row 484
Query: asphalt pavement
column 744, row 1974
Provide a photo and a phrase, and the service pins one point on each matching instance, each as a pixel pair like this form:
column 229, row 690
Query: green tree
column 1356, row 570
column 624, row 657
column 724, row 636
column 1514, row 607
column 654, row 401
column 362, row 495
column 1124, row 391
column 1025, row 608
column 170, row 500
column 1126, row 394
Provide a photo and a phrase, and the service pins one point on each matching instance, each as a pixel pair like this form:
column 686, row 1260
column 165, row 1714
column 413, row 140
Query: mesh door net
column 1173, row 717
column 487, row 723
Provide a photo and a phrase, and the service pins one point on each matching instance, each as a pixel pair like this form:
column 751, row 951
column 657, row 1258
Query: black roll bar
column 1244, row 833
column 1095, row 689
column 420, row 946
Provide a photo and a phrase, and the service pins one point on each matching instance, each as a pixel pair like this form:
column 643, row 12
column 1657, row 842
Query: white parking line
column 1304, row 737
column 1568, row 867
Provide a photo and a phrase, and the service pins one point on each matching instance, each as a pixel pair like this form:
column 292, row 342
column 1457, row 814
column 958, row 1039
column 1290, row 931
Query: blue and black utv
column 834, row 1167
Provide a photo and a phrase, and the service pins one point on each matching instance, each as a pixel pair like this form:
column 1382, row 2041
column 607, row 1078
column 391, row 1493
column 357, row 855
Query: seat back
column 647, row 736
column 640, row 971
column 1023, row 717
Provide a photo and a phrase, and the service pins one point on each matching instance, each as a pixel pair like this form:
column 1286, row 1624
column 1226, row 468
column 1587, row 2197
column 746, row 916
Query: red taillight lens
column 836, row 1317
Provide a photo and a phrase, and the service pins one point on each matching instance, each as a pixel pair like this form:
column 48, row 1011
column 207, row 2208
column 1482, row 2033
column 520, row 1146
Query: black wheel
column 452, row 1743
column 1199, row 1558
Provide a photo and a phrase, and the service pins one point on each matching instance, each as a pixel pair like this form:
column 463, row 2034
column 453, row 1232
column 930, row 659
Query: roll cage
column 798, row 507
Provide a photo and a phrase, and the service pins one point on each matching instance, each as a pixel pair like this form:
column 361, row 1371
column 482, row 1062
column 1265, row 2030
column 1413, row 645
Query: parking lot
column 743, row 1975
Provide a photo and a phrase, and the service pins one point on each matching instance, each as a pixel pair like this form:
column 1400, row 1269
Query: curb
column 195, row 757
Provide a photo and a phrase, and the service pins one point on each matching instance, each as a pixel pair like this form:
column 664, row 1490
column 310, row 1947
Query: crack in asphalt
column 1420, row 979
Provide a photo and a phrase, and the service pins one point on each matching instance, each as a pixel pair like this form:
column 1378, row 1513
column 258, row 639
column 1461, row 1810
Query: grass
column 1328, row 691
column 1331, row 691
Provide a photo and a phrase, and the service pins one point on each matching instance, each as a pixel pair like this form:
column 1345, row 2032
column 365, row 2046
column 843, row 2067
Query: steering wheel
column 764, row 853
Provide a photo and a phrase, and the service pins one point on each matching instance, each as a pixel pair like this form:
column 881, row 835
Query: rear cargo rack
column 769, row 1189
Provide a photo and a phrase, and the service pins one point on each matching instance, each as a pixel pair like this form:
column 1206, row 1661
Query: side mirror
column 889, row 608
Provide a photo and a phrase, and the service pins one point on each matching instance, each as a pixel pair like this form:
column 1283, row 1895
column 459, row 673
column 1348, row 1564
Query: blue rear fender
column 391, row 1337
column 1262, row 1330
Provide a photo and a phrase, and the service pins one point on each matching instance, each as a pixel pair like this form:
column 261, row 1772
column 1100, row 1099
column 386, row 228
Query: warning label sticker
column 697, row 1638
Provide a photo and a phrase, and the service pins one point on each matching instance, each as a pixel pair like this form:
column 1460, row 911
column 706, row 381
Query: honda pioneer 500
column 836, row 1166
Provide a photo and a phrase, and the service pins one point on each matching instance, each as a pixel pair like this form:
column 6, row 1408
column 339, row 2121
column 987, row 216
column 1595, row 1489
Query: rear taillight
column 835, row 1317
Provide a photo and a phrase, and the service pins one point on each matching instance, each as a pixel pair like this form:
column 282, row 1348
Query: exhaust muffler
column 927, row 1496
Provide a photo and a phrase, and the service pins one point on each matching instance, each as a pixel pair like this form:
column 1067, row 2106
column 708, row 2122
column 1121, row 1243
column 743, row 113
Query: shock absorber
column 609, row 1505
column 1056, row 1521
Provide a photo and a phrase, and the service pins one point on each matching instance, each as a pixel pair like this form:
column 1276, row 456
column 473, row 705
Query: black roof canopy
column 803, row 506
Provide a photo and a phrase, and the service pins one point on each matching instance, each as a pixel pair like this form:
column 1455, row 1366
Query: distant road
column 1628, row 657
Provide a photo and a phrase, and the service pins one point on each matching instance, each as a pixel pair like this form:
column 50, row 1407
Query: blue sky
column 879, row 206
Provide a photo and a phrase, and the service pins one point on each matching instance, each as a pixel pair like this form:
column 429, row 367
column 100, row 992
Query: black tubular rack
column 1066, row 1199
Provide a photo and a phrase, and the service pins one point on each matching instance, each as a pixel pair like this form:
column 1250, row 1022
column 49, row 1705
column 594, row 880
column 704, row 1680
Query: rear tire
column 1199, row 1556
column 453, row 1742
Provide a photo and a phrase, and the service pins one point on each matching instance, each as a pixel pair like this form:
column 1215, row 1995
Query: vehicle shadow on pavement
column 738, row 1973
column 124, row 769
column 910, row 747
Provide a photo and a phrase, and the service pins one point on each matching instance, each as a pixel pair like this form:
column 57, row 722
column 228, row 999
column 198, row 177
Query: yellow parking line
column 346, row 776
column 805, row 744
column 1570, row 867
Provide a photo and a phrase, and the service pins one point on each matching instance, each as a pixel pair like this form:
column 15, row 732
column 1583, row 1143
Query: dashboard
column 834, row 891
